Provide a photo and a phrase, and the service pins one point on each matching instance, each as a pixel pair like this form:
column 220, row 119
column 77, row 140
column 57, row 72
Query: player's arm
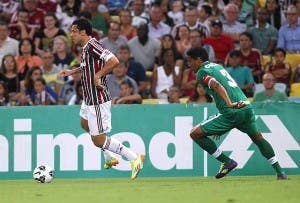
column 212, row 83
column 67, row 72
column 110, row 64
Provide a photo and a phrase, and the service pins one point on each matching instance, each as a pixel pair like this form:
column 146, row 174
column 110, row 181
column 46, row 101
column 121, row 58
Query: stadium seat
column 295, row 90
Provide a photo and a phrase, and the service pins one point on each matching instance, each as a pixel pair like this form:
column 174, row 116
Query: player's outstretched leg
column 267, row 151
column 210, row 146
column 136, row 166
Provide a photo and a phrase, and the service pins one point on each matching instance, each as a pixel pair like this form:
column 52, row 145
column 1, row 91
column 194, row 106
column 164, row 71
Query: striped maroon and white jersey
column 93, row 58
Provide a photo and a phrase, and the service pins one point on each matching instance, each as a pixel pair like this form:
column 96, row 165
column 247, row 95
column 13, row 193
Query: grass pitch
column 231, row 189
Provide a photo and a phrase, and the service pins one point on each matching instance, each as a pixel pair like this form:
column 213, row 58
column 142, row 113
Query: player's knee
column 196, row 133
column 256, row 137
column 98, row 140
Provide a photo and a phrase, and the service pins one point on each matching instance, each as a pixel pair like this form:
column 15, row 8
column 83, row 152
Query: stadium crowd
column 258, row 41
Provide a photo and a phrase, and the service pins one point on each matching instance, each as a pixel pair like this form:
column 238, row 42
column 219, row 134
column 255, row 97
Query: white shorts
column 98, row 117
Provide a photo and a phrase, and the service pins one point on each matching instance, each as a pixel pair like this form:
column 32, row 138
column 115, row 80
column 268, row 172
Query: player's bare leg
column 209, row 145
column 113, row 145
column 110, row 160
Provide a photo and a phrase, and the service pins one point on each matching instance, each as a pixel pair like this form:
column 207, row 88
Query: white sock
column 107, row 155
column 117, row 147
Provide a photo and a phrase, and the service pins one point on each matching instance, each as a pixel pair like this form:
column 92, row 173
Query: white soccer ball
column 43, row 174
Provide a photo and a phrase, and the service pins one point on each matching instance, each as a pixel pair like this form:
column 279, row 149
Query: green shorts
column 219, row 124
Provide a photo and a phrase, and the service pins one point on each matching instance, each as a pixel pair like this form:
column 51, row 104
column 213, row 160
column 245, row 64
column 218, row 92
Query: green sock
column 208, row 145
column 268, row 152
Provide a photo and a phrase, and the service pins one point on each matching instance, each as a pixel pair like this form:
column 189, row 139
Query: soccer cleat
column 226, row 168
column 281, row 176
column 137, row 165
column 110, row 163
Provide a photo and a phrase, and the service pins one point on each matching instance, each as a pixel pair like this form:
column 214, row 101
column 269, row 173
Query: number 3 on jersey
column 231, row 81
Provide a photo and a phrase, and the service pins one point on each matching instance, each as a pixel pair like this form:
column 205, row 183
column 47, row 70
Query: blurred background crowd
column 257, row 41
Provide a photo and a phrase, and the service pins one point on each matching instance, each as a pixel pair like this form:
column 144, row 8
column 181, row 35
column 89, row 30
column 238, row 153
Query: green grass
column 231, row 189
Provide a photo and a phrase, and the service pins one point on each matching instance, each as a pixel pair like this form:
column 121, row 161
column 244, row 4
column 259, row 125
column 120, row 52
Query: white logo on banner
column 279, row 137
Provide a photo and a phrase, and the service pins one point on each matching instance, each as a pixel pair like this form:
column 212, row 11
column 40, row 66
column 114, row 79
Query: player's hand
column 64, row 73
column 98, row 84
column 238, row 105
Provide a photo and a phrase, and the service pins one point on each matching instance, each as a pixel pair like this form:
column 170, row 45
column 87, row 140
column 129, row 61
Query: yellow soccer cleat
column 110, row 163
column 136, row 166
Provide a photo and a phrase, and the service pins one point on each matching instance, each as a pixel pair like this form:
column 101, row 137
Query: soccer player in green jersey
column 235, row 111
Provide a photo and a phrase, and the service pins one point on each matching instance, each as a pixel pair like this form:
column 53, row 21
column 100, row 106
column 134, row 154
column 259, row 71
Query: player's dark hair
column 197, row 52
column 83, row 24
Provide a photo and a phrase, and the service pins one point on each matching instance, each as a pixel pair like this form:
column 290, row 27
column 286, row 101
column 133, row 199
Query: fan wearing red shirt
column 222, row 44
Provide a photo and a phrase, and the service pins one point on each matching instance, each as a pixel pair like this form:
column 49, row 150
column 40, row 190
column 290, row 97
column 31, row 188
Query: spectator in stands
column 9, row 75
column 43, row 38
column 127, row 29
column 177, row 13
column 205, row 13
column 241, row 74
column 50, row 71
column 221, row 43
column 40, row 96
column 27, row 58
column 69, row 11
column 165, row 8
column 165, row 76
column 174, row 95
column 246, row 14
column 168, row 42
column 289, row 34
column 7, row 9
column 27, row 87
column 231, row 26
column 199, row 95
column 135, row 70
column 251, row 57
column 144, row 49
column 191, row 21
column 138, row 13
column 69, row 87
column 281, row 70
column 48, row 6
column 217, row 7
column 196, row 39
column 188, row 82
column 4, row 98
column 20, row 29
column 36, row 15
column 270, row 93
column 127, row 95
column 277, row 17
column 264, row 35
column 117, row 77
column 182, row 38
column 62, row 52
column 77, row 98
column 157, row 28
column 8, row 45
column 98, row 19
column 113, row 39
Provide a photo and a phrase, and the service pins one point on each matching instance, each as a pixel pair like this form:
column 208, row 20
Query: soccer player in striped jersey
column 96, row 62
column 234, row 112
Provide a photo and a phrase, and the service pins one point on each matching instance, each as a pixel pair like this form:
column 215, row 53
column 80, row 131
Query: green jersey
column 210, row 70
